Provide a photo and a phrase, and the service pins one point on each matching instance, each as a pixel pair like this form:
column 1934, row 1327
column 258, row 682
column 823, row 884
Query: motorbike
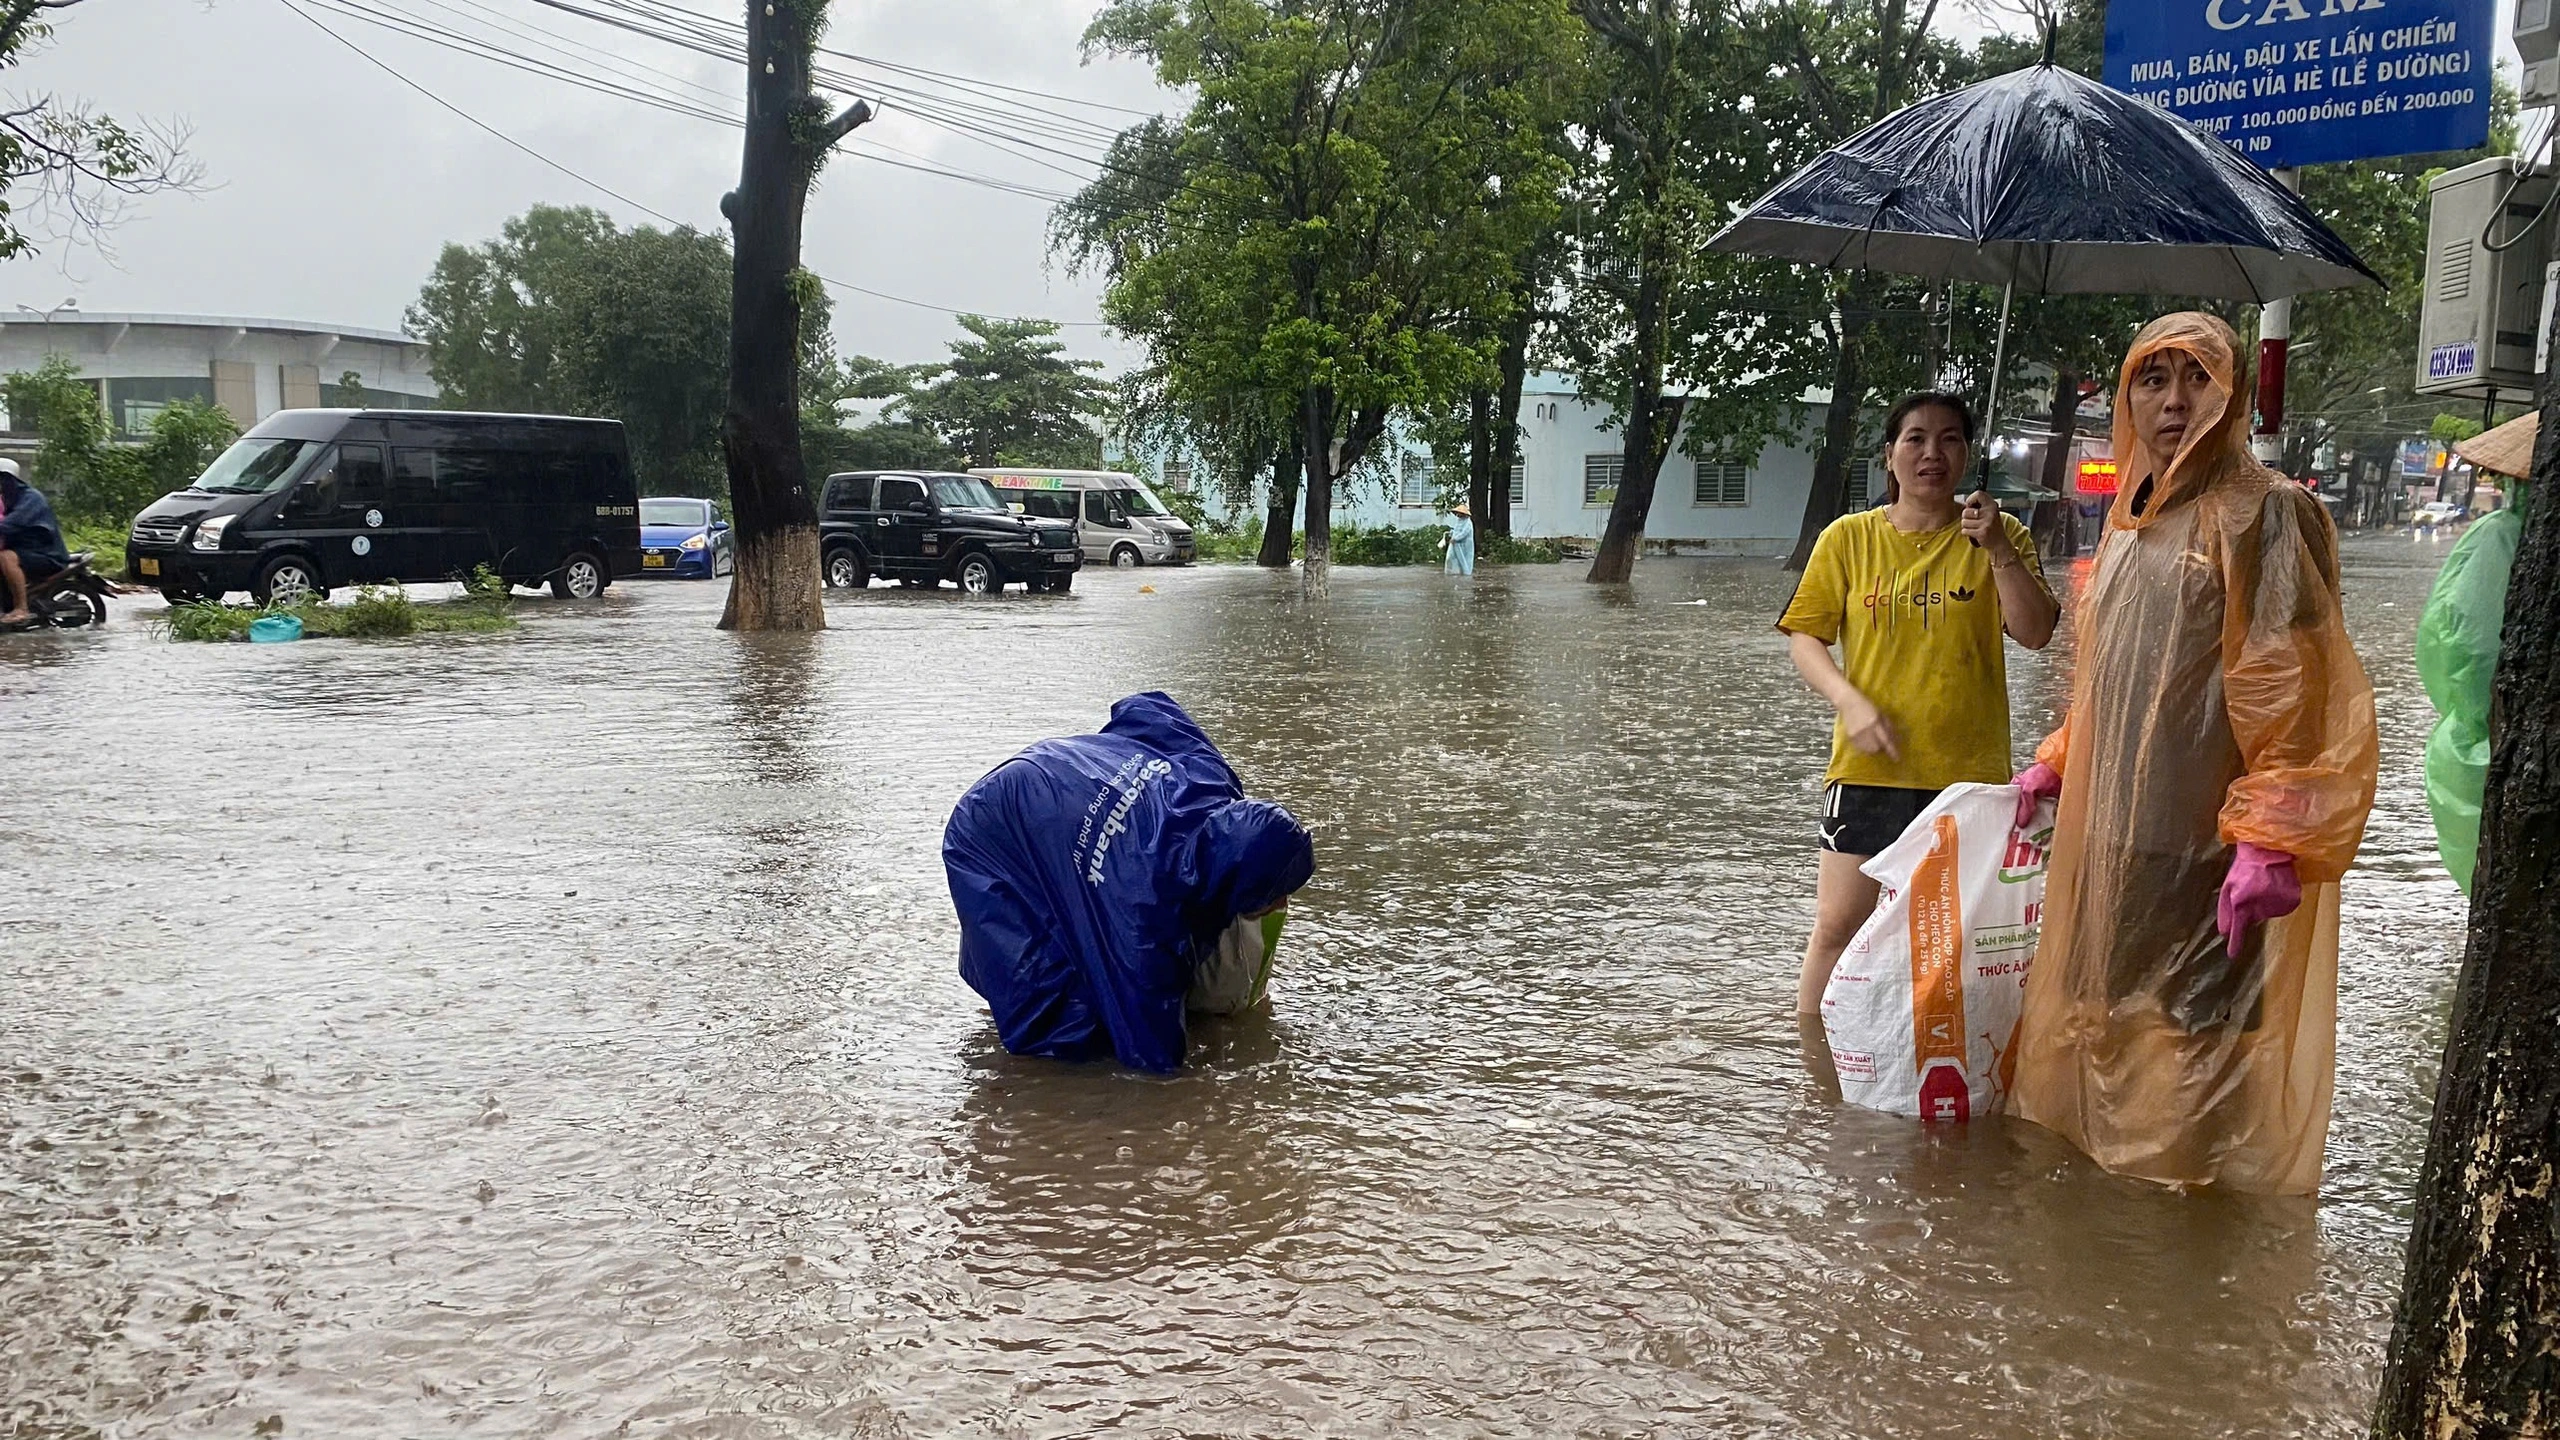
column 71, row 596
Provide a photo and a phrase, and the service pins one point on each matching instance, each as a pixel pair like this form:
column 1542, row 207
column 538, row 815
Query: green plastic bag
column 2458, row 660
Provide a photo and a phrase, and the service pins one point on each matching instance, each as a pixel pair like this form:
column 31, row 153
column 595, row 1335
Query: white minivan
column 1119, row 521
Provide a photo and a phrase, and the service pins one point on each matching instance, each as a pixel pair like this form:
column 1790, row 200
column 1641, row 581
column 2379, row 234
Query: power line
column 600, row 187
column 480, row 48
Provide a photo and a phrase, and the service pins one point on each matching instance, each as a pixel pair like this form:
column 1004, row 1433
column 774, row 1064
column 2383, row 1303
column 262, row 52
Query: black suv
column 921, row 527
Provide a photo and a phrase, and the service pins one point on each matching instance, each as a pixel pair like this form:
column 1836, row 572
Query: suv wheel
column 978, row 575
column 845, row 569
column 580, row 577
column 288, row 581
column 1126, row 557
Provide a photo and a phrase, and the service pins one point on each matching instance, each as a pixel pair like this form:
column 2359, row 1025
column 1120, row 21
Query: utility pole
column 2275, row 340
column 775, row 583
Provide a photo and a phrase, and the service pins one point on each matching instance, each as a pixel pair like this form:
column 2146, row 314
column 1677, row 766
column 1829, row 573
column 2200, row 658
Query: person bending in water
column 1109, row 885
column 1917, row 595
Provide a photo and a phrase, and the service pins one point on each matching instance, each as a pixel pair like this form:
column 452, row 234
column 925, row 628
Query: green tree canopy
column 563, row 312
column 1010, row 395
column 1330, row 233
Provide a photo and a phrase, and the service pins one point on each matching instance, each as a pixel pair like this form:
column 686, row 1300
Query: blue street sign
column 2309, row 82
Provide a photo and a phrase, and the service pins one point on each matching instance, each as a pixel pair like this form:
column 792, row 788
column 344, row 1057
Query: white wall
column 113, row 347
column 1559, row 430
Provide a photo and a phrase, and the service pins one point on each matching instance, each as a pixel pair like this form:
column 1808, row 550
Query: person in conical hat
column 1458, row 547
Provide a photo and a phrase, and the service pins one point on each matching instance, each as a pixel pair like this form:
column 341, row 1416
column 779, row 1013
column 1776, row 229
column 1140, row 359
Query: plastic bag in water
column 1922, row 1010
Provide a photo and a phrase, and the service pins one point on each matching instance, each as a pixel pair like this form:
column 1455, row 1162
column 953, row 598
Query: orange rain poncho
column 2217, row 701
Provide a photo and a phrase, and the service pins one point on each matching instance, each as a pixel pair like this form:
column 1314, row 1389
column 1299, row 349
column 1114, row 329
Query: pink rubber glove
column 2261, row 887
column 2037, row 782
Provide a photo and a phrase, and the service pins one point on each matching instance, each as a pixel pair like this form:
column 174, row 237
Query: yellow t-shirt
column 1917, row 620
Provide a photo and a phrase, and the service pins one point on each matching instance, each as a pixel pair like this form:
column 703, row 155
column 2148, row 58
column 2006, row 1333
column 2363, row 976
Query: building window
column 1177, row 476
column 1414, row 490
column 1862, row 479
column 1519, row 482
column 1723, row 482
column 132, row 404
column 1600, row 475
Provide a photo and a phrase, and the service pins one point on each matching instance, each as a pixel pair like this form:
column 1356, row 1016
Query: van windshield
column 1143, row 501
column 252, row 466
column 965, row 492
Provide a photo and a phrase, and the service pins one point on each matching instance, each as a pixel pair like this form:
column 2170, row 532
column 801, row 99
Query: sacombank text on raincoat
column 2217, row 701
column 1091, row 874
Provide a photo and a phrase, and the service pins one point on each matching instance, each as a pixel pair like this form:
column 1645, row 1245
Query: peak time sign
column 2311, row 82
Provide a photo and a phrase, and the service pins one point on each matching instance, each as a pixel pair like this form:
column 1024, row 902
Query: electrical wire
column 401, row 23
column 296, row 6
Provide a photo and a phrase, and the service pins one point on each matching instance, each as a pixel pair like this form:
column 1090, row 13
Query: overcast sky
column 331, row 186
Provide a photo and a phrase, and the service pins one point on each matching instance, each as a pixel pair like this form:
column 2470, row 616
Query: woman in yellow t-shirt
column 1916, row 594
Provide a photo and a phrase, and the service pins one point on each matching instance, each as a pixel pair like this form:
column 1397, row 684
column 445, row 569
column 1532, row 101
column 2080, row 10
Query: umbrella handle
column 1981, row 486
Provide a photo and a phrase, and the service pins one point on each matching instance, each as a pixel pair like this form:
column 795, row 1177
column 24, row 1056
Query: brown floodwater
column 559, row 1034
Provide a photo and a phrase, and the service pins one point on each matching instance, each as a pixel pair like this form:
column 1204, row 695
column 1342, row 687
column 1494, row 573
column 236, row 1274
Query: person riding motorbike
column 31, row 547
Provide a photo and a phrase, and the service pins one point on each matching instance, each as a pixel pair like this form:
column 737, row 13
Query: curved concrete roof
column 29, row 315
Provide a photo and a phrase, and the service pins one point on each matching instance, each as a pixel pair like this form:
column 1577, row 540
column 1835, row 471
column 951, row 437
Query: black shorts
column 1865, row 819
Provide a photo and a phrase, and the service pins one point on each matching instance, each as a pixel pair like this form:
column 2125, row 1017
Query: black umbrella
column 2046, row 181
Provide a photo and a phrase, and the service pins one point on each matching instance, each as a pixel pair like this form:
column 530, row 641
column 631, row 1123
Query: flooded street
column 559, row 1034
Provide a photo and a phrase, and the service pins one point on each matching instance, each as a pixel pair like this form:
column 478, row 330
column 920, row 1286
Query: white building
column 1568, row 476
column 251, row 368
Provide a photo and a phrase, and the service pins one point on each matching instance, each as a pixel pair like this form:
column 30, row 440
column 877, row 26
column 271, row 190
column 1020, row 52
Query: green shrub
column 375, row 613
column 1387, row 545
column 1506, row 550
column 209, row 620
column 105, row 544
column 1230, row 542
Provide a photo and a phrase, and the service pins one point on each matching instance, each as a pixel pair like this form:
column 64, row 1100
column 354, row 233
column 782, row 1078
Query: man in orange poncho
column 2214, row 774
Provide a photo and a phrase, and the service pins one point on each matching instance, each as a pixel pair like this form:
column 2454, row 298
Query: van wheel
column 978, row 575
column 580, row 577
column 846, row 570
column 286, row 582
column 1126, row 557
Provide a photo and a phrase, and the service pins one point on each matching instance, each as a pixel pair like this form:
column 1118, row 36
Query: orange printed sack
column 1922, row 1010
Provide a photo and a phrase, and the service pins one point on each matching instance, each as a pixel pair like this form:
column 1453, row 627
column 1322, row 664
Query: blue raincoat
column 1091, row 873
column 1461, row 559
column 28, row 527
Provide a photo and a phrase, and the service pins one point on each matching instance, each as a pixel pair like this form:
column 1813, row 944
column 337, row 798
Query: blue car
column 684, row 538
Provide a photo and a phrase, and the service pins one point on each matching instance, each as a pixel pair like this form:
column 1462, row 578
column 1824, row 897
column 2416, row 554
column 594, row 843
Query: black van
column 920, row 527
column 314, row 499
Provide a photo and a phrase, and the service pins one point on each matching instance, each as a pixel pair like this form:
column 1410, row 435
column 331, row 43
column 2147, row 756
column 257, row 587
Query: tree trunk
column 1495, row 519
column 1640, row 463
column 1280, row 521
column 1829, row 494
column 2062, row 418
column 1315, row 443
column 1480, row 453
column 774, row 585
column 2475, row 1350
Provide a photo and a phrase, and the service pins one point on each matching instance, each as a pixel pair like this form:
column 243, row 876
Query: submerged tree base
column 775, row 583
